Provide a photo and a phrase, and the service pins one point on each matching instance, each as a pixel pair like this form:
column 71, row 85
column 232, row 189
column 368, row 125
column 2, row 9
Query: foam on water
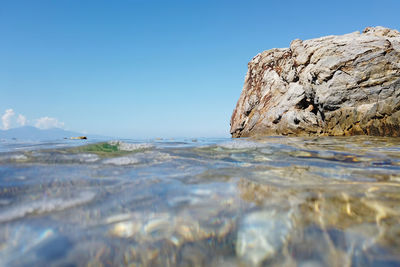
column 120, row 161
column 241, row 144
column 148, row 158
column 122, row 146
column 44, row 205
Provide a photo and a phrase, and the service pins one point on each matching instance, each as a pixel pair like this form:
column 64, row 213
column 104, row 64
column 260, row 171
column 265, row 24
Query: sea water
column 277, row 201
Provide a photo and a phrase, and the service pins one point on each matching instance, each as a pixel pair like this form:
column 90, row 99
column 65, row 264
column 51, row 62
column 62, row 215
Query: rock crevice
column 334, row 85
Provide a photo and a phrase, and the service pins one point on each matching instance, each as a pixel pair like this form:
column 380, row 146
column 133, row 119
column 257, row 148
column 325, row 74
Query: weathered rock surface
column 334, row 85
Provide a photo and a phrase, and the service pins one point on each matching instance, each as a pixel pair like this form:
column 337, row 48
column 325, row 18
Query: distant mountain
column 33, row 133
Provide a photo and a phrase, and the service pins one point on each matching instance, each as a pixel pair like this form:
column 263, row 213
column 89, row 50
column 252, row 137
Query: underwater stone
column 261, row 235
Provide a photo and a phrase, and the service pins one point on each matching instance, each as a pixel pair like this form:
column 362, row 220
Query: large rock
column 334, row 85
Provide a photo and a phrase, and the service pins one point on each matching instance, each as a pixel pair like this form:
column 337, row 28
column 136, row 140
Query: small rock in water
column 261, row 235
column 79, row 138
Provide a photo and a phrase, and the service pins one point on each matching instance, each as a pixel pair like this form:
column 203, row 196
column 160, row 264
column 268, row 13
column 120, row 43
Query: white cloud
column 21, row 120
column 48, row 122
column 10, row 120
column 6, row 118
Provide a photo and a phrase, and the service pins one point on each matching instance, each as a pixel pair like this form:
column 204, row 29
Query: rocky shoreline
column 334, row 85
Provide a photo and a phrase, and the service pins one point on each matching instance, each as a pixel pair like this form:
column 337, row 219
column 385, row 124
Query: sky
column 143, row 68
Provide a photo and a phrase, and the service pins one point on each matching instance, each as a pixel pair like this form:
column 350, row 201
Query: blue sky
column 151, row 68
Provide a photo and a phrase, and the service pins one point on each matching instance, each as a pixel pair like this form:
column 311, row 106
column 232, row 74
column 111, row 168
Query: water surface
column 331, row 201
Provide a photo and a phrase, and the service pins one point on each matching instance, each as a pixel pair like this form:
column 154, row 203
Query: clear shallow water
column 201, row 202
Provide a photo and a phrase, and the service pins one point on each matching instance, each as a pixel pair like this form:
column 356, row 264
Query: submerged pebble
column 261, row 235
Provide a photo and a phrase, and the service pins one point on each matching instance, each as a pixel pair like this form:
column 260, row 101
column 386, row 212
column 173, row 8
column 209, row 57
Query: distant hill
column 33, row 133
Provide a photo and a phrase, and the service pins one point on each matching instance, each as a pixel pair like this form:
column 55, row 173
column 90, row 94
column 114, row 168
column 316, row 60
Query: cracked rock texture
column 334, row 85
